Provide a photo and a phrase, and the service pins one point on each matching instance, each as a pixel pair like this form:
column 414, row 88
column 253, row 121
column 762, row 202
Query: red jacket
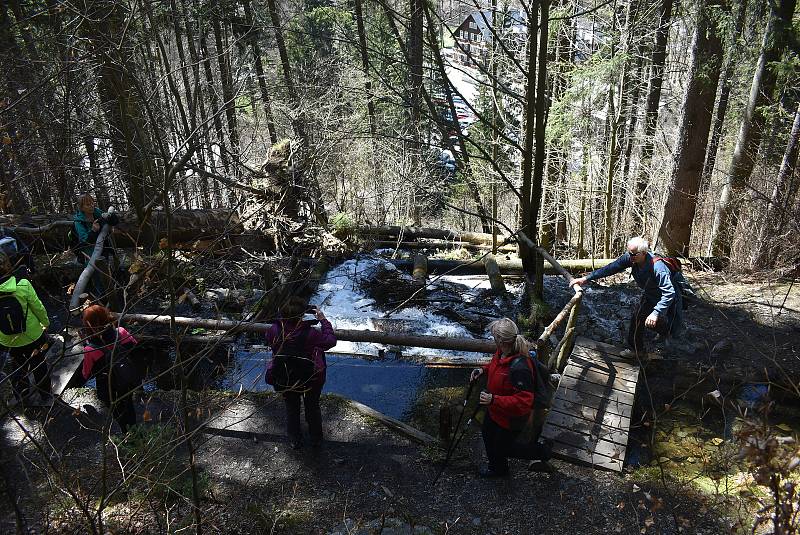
column 91, row 353
column 511, row 384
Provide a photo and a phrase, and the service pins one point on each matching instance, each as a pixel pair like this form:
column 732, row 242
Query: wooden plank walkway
column 591, row 410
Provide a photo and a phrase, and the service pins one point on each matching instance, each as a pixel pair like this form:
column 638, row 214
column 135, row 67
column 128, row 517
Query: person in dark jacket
column 25, row 320
column 107, row 359
column 18, row 252
column 295, row 339
column 509, row 400
column 661, row 305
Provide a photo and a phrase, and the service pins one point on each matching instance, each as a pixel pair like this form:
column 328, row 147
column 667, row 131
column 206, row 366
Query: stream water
column 388, row 386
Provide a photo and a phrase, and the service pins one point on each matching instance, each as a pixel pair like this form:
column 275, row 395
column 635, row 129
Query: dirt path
column 252, row 482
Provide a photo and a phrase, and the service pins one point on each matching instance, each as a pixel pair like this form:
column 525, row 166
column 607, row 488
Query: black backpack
column 13, row 320
column 292, row 370
column 542, row 389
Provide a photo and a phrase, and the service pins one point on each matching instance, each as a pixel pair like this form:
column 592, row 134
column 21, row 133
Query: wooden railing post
column 568, row 342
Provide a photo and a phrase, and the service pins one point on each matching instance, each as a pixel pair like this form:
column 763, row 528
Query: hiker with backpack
column 297, row 368
column 660, row 307
column 107, row 358
column 18, row 253
column 23, row 322
column 87, row 222
column 509, row 400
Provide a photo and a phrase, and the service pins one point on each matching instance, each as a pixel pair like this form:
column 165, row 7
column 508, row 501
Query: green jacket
column 36, row 315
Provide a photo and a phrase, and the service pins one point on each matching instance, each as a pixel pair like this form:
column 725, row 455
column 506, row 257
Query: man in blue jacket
column 660, row 307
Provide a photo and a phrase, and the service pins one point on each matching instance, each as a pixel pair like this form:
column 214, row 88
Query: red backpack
column 674, row 264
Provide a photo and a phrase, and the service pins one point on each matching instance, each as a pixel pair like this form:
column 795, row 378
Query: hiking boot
column 39, row 399
column 541, row 466
column 488, row 473
column 627, row 354
column 545, row 449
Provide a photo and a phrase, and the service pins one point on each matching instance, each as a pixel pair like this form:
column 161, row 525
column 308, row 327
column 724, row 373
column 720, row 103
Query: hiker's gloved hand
column 475, row 374
column 486, row 398
column 651, row 320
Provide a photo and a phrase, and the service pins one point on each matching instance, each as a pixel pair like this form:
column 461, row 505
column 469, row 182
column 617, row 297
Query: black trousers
column 636, row 325
column 501, row 443
column 117, row 392
column 24, row 362
column 312, row 411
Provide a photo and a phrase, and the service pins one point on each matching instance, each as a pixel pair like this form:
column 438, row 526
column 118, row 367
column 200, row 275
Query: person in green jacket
column 23, row 321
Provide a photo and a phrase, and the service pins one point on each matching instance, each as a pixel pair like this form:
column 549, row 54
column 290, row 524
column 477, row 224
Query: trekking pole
column 454, row 443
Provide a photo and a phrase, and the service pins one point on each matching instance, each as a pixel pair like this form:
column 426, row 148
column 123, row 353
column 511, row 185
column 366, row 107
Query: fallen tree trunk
column 187, row 226
column 412, row 233
column 507, row 267
column 432, row 342
column 439, row 244
column 514, row 266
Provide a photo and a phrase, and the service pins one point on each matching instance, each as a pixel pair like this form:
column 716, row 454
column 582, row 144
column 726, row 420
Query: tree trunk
column 314, row 193
column 659, row 57
column 776, row 214
column 206, row 155
column 188, row 225
column 363, row 53
column 724, row 90
column 210, row 89
column 254, row 37
column 122, row 105
column 415, row 55
column 529, row 123
column 752, row 128
column 541, row 149
column 226, row 80
column 554, row 226
column 698, row 103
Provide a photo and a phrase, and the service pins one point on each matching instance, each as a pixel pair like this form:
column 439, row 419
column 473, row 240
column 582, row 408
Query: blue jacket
column 655, row 280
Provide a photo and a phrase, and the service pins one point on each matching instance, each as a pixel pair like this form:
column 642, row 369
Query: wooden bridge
column 591, row 411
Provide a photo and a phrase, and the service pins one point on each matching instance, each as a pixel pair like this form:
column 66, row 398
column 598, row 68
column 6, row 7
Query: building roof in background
column 512, row 20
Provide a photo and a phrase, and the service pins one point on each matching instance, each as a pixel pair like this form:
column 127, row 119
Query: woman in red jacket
column 107, row 359
column 508, row 397
column 297, row 368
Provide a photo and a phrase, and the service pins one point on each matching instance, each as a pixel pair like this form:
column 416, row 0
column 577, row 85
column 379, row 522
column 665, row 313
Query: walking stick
column 454, row 443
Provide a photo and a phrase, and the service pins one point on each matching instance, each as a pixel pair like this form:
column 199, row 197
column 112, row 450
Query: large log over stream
column 412, row 233
column 507, row 267
column 376, row 337
column 514, row 266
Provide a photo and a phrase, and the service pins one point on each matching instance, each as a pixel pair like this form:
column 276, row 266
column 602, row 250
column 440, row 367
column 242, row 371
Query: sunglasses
column 636, row 253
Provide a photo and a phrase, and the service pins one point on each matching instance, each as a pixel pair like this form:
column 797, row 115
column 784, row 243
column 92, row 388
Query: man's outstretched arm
column 617, row 266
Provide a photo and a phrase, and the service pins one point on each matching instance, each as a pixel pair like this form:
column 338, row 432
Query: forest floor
column 681, row 474
column 362, row 478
